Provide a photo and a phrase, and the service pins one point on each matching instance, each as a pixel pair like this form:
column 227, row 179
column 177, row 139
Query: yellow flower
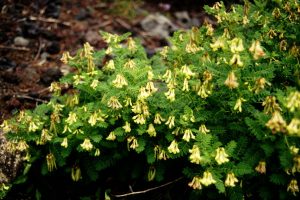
column 294, row 150
column 207, row 179
column 221, row 156
column 171, row 121
column 185, row 85
column 276, row 123
column 150, row 87
column 164, row 51
column 94, row 84
column 188, row 134
column 219, row 43
column 93, row 119
column 75, row 173
column 203, row 91
column 45, row 136
column 126, row 127
column 51, row 164
column 97, row 152
column 293, row 187
column 22, row 145
column 195, row 155
column 33, row 126
column 87, row 49
column 256, row 50
column 236, row 45
column 158, row 119
column 64, row 142
column 293, row 101
column 210, row 30
column 108, row 51
column 133, row 142
column 66, row 57
column 72, row 118
column 55, row 87
column 270, row 105
column 261, row 167
column 162, row 155
column 260, row 85
column 111, row 136
column 114, row 103
column 5, row 126
column 86, row 145
column 144, row 94
column 187, row 71
column 170, row 94
column 120, row 81
column 168, row 76
column 192, row 48
column 150, row 75
column 128, row 102
column 196, row 183
column 294, row 127
column 231, row 81
column 151, row 130
column 139, row 119
column 131, row 44
column 203, row 129
column 236, row 60
column 78, row 79
column 173, row 148
column 110, row 65
column 130, row 64
column 230, row 180
column 238, row 104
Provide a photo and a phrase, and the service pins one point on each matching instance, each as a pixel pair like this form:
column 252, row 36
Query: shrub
column 221, row 104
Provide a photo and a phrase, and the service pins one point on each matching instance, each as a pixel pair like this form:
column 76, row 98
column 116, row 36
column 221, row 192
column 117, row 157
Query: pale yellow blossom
column 120, row 81
column 293, row 187
column 151, row 130
column 171, row 121
column 170, row 94
column 64, row 142
column 86, row 145
column 187, row 71
column 185, row 85
column 238, row 104
column 111, row 136
column 221, row 156
column 207, row 179
column 196, row 183
column 130, row 64
column 257, row 50
column 126, row 127
column 114, row 103
column 188, row 134
column 236, row 60
column 230, row 180
column 231, row 81
column 72, row 118
column 203, row 129
column 195, row 155
column 139, row 119
column 94, row 84
column 173, row 148
column 158, row 119
column 261, row 167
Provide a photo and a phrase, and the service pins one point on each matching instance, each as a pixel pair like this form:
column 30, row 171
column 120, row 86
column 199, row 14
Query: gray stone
column 20, row 41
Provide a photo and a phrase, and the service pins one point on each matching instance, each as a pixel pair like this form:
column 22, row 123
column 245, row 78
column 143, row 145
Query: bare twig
column 30, row 98
column 148, row 190
column 14, row 48
column 39, row 50
column 49, row 20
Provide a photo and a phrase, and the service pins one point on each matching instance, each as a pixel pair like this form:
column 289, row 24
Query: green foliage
column 214, row 105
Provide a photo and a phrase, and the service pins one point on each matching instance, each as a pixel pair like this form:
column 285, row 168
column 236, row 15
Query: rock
column 20, row 41
column 44, row 56
column 183, row 19
column 158, row 25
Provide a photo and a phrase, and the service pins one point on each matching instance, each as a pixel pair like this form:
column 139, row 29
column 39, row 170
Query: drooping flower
column 231, row 81
column 111, row 136
column 131, row 44
column 294, row 127
column 158, row 119
column 130, row 64
column 236, row 60
column 261, row 167
column 173, row 148
column 120, row 81
column 276, row 123
column 66, row 57
column 203, row 129
column 33, row 126
column 72, row 118
column 150, row 75
column 51, row 164
column 293, row 101
column 132, row 141
column 236, row 45
column 114, row 103
column 151, row 130
column 207, row 179
column 196, row 183
column 270, row 105
column 97, row 152
column 22, row 145
column 86, row 145
column 64, row 142
column 139, row 119
column 110, row 65
column 185, row 85
column 219, row 43
column 187, row 72
column 126, row 127
column 168, row 76
column 256, row 50
column 188, row 134
column 171, row 121
column 293, row 187
column 238, row 104
column 191, row 47
column 195, row 155
column 162, row 155
column 150, row 87
column 222, row 156
column 170, row 94
column 230, row 180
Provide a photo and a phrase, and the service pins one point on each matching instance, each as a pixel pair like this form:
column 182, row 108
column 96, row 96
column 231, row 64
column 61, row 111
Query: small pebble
column 20, row 41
